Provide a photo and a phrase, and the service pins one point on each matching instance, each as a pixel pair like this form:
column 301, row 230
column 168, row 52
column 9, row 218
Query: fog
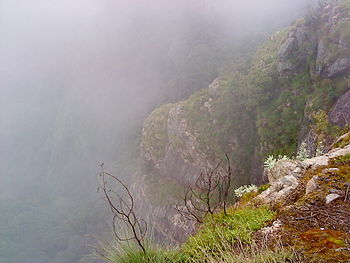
column 77, row 79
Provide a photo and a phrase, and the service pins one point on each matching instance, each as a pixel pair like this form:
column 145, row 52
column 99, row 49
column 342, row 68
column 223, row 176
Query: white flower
column 239, row 192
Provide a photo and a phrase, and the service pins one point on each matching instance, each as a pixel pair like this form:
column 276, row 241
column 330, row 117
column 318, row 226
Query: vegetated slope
column 292, row 92
column 301, row 216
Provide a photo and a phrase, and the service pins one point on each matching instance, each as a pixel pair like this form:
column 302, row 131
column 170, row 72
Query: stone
column 340, row 113
column 339, row 152
column 331, row 197
column 317, row 161
column 339, row 66
column 330, row 170
column 276, row 226
column 322, row 53
column 311, row 185
column 280, row 189
column 213, row 88
column 287, row 48
column 281, row 169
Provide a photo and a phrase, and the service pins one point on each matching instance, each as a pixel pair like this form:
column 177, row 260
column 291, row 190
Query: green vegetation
column 343, row 142
column 215, row 240
column 342, row 159
column 220, row 231
column 155, row 130
column 128, row 253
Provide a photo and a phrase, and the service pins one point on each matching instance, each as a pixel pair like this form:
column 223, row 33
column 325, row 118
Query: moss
column 343, row 142
column 325, row 245
column 263, row 188
column 341, row 159
column 320, row 231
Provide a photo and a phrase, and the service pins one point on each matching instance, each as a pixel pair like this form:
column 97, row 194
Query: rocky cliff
column 293, row 92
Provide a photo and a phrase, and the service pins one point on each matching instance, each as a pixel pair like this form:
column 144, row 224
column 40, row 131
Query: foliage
column 271, row 161
column 239, row 192
column 302, row 153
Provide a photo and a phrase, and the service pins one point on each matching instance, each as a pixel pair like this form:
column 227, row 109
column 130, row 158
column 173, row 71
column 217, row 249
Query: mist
column 77, row 80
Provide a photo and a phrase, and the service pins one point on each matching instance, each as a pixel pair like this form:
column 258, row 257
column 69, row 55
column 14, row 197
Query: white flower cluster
column 239, row 192
column 271, row 160
column 302, row 153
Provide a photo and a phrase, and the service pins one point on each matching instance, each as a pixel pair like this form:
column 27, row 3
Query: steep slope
column 292, row 93
column 302, row 216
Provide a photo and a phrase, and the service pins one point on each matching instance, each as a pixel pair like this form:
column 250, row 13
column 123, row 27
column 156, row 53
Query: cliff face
column 293, row 91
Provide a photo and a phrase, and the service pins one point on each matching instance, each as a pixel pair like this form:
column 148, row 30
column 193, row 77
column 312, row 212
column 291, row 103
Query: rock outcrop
column 340, row 114
column 268, row 108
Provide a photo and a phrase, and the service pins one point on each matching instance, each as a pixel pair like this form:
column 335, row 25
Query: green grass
column 130, row 253
column 220, row 231
column 221, row 238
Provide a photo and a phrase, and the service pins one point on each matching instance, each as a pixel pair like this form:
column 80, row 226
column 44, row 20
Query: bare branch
column 122, row 208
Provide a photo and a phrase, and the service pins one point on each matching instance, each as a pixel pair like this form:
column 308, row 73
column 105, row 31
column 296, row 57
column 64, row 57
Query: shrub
column 239, row 192
column 271, row 161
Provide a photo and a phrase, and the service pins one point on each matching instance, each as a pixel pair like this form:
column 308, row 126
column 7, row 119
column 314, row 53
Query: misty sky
column 77, row 77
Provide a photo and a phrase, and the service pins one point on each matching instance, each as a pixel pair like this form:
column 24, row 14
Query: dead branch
column 209, row 193
column 123, row 209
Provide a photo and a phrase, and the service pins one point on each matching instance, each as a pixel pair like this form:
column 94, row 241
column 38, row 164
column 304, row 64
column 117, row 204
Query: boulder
column 311, row 185
column 280, row 189
column 317, row 161
column 281, row 169
column 331, row 197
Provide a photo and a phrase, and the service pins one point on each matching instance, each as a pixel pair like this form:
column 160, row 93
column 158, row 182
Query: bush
column 239, row 192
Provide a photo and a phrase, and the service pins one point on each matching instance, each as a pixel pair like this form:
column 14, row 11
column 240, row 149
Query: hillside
column 291, row 96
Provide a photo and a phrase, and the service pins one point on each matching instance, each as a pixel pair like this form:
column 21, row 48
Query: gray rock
column 322, row 53
column 271, row 230
column 341, row 65
column 214, row 87
column 281, row 169
column 317, row 161
column 340, row 114
column 279, row 190
column 330, row 170
column 339, row 152
column 301, row 36
column 331, row 197
column 311, row 185
column 288, row 47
